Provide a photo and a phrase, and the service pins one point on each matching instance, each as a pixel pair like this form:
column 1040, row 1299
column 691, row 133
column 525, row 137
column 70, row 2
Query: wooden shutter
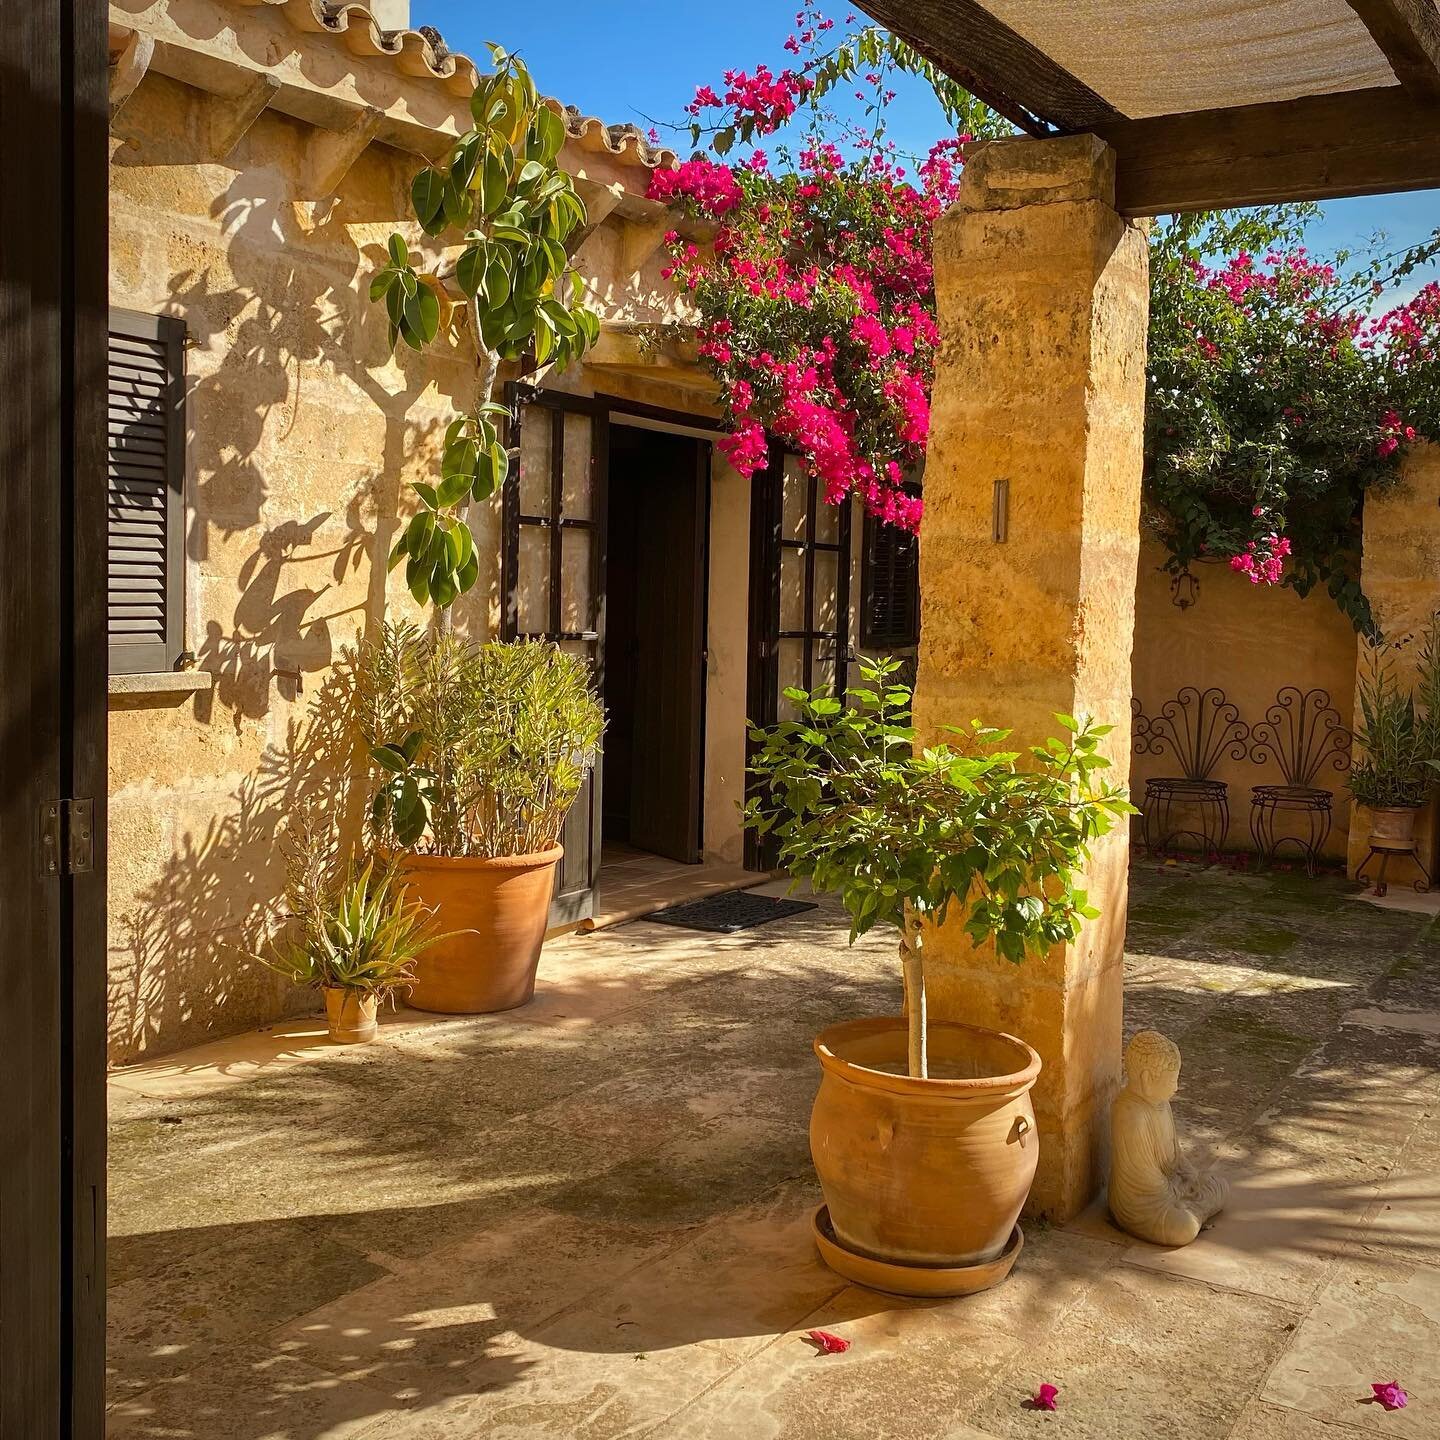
column 889, row 587
column 146, row 492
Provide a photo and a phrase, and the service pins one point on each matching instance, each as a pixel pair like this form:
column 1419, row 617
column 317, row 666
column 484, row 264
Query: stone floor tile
column 425, row 1330
column 909, row 1367
column 1274, row 1422
column 250, row 1394
column 1372, row 1323
column 1142, row 1355
column 1279, row 1236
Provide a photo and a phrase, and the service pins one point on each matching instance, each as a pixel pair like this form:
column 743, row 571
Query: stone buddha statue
column 1155, row 1192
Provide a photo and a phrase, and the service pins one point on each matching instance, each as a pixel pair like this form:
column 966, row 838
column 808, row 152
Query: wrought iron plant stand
column 1197, row 727
column 1302, row 734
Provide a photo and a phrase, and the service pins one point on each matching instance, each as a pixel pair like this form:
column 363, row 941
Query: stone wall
column 303, row 435
column 1401, row 575
column 1249, row 641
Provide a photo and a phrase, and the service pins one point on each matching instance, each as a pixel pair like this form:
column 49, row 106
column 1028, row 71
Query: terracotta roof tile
column 423, row 51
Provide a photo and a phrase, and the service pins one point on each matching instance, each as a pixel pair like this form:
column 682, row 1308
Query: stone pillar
column 1400, row 574
column 1043, row 298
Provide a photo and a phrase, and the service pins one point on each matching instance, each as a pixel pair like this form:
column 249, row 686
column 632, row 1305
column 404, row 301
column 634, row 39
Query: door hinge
column 67, row 837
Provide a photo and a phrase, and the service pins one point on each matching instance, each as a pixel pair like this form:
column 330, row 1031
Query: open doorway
column 655, row 596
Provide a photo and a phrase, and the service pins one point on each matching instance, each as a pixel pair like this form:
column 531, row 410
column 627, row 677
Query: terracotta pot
column 1392, row 827
column 351, row 1014
column 498, row 910
column 924, row 1172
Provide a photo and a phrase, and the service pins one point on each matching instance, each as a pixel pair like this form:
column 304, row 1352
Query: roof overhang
column 1207, row 103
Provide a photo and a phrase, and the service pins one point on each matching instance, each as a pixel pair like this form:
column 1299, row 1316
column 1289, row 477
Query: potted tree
column 357, row 933
column 478, row 753
column 1399, row 737
column 923, row 1133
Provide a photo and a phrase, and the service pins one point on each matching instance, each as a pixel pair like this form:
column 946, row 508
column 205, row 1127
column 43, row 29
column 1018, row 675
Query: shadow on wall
column 301, row 439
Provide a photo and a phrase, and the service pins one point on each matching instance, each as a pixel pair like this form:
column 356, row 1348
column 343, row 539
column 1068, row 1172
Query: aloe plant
column 353, row 928
column 1399, row 730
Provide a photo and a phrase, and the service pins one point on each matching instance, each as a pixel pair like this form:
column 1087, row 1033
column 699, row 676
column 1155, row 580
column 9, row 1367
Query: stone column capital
column 1008, row 174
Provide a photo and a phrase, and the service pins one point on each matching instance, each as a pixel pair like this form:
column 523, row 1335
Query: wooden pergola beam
column 1408, row 33
column 1360, row 142
column 994, row 64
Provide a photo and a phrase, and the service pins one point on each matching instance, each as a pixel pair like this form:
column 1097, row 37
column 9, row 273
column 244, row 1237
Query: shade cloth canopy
column 1207, row 102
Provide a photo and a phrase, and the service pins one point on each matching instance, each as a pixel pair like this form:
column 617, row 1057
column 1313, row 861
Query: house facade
column 263, row 439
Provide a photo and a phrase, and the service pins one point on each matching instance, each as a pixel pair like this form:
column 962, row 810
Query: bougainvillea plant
column 1275, row 398
column 502, row 190
column 816, row 295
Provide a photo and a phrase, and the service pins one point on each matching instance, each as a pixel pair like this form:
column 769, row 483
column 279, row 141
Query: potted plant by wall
column 356, row 935
column 1399, row 740
column 922, row 1133
column 478, row 752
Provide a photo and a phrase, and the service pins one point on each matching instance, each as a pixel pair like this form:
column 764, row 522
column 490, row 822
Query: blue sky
column 636, row 60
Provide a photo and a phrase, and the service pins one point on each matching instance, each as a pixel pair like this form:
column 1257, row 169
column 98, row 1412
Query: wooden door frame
column 54, row 124
column 767, row 545
column 700, row 571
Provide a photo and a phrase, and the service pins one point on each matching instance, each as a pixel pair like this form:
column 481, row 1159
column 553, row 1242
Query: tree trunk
column 913, row 963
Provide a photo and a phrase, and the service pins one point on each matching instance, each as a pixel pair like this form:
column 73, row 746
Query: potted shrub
column 479, row 752
column 914, row 1127
column 357, row 933
column 1399, row 737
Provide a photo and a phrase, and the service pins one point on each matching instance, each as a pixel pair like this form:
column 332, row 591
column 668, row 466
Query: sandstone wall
column 1249, row 641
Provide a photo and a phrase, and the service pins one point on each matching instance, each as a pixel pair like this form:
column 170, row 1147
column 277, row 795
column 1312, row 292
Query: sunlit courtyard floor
column 589, row 1218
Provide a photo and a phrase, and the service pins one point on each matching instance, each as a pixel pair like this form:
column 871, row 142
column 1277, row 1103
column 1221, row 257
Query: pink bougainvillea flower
column 1045, row 1398
column 837, row 1345
column 1390, row 1395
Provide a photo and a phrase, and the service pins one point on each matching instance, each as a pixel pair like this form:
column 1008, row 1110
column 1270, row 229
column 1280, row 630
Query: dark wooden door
column 53, row 229
column 553, row 582
column 666, row 783
column 799, row 598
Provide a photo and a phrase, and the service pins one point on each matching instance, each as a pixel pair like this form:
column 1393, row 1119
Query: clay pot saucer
column 922, row 1281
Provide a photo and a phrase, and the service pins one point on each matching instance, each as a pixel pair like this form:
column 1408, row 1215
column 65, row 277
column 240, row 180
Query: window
column 146, row 492
column 889, row 587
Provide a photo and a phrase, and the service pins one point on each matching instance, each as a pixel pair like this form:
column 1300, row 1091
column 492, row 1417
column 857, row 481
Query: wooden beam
column 1408, row 32
column 995, row 64
column 1320, row 147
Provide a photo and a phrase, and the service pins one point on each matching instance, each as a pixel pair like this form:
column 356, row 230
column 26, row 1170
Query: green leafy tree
column 902, row 836
column 502, row 190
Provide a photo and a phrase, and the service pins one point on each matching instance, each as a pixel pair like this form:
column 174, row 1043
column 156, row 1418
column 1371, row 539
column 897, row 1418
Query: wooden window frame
column 872, row 637
column 162, row 656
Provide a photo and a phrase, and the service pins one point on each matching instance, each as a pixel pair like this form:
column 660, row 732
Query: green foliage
column 502, row 190
column 355, row 929
column 1399, row 733
column 858, row 812
column 477, row 749
column 1275, row 400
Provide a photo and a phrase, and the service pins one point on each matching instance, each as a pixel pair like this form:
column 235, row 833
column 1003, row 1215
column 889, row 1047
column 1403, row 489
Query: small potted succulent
column 914, row 1127
column 478, row 753
column 1399, row 740
column 356, row 933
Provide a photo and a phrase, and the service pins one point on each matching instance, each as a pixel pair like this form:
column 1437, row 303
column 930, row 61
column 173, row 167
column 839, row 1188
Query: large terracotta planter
column 925, row 1173
column 1392, row 827
column 497, row 911
column 351, row 1015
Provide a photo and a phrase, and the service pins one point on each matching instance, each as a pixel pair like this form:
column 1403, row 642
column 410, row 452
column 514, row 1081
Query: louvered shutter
column 889, row 587
column 146, row 492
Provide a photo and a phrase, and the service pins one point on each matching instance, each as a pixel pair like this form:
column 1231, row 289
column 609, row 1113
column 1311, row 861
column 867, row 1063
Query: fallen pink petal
column 838, row 1345
column 1390, row 1395
column 1046, row 1396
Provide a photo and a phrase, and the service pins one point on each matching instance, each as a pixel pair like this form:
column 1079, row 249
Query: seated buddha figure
column 1156, row 1193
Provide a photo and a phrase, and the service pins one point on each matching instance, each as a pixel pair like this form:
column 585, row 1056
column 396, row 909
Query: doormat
column 728, row 912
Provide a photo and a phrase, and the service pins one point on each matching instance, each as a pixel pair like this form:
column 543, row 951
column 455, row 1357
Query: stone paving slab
column 590, row 1218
